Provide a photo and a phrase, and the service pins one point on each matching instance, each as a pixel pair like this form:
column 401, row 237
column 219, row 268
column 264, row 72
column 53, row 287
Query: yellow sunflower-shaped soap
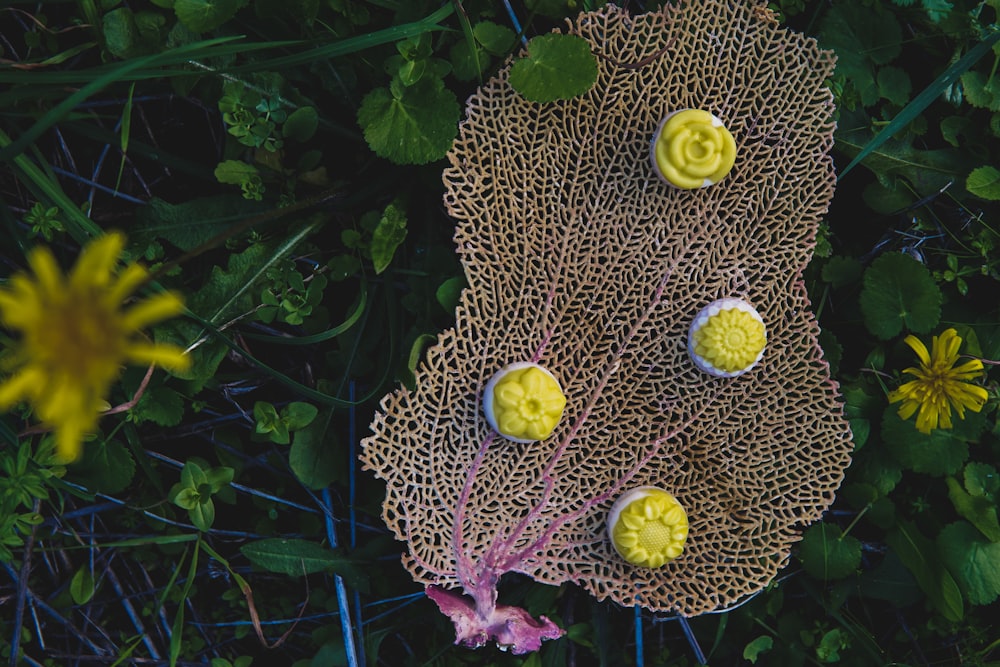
column 647, row 526
column 727, row 338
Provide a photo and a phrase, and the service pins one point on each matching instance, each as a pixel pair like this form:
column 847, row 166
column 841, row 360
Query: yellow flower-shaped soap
column 523, row 402
column 647, row 526
column 692, row 149
column 727, row 338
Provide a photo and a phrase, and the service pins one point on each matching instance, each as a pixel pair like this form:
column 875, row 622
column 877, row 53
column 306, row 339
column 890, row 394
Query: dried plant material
column 580, row 259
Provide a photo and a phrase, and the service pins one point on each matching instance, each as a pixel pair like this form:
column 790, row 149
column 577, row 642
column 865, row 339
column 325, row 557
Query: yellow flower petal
column 75, row 337
column 939, row 386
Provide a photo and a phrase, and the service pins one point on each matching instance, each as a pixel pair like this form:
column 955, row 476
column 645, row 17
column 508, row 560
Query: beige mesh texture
column 579, row 258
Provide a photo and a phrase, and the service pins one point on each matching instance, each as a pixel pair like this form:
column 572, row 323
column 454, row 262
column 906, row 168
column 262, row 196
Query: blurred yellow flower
column 940, row 385
column 75, row 336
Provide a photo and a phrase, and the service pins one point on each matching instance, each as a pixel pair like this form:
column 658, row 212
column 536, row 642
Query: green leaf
column 465, row 63
column 81, row 586
column 890, row 581
column 192, row 475
column 219, row 477
column 973, row 561
column 898, row 292
column 189, row 224
column 826, row 553
column 314, row 455
column 925, row 170
column 980, row 511
column 918, row 555
column 295, row 557
column 894, row 85
column 160, row 405
column 942, row 452
column 758, row 646
column 980, row 91
column 415, row 125
column 301, row 125
column 205, row 15
column 297, row 415
column 449, row 292
column 981, row 479
column 105, row 467
column 496, row 39
column 840, row 271
column 387, row 236
column 202, row 515
column 235, row 172
column 984, row 182
column 186, row 498
column 557, row 67
column 121, row 34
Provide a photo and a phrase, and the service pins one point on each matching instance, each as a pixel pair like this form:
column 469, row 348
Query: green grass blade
column 79, row 226
column 59, row 111
column 350, row 45
column 926, row 96
column 177, row 629
column 470, row 37
column 126, row 131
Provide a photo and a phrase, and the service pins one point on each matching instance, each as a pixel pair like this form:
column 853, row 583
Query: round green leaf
column 898, row 293
column 81, row 586
column 557, row 67
column 826, row 553
column 301, row 125
column 415, row 125
column 496, row 39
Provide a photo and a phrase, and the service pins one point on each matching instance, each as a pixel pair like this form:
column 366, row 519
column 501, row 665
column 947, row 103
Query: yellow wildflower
column 939, row 385
column 75, row 336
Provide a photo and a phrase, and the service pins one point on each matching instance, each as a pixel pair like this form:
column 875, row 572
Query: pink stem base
column 510, row 627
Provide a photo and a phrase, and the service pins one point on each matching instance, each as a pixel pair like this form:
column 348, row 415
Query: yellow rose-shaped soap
column 647, row 526
column 692, row 149
column 727, row 338
column 523, row 402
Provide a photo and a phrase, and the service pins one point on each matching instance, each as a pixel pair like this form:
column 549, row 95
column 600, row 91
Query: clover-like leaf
column 412, row 124
column 826, row 553
column 984, row 182
column 973, row 561
column 557, row 67
column 898, row 293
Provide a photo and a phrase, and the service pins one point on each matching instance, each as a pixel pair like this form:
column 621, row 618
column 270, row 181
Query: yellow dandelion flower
column 75, row 336
column 940, row 385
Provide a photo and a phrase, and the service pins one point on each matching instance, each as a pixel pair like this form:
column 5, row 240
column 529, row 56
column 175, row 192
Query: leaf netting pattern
column 580, row 259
